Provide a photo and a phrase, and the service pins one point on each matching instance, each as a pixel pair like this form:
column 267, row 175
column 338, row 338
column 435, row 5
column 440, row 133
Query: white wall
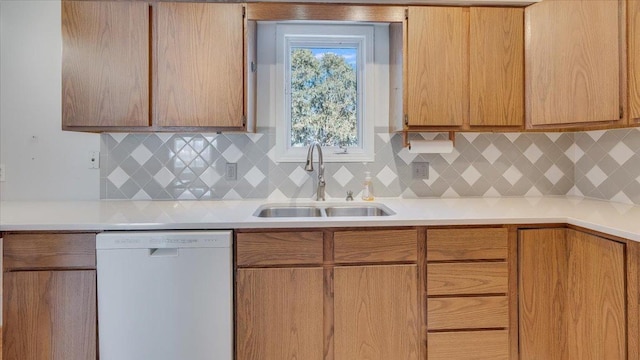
column 42, row 162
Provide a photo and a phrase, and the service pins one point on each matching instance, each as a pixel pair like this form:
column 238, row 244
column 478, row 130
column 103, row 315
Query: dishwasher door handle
column 158, row 252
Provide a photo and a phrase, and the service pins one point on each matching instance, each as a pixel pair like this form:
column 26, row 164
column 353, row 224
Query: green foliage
column 323, row 100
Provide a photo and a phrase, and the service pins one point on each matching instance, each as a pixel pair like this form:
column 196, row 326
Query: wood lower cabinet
column 49, row 297
column 49, row 315
column 279, row 314
column 375, row 312
column 574, row 296
column 471, row 294
column 337, row 300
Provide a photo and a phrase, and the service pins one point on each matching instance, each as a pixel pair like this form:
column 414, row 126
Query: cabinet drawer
column 49, row 251
column 467, row 244
column 468, row 313
column 279, row 248
column 467, row 278
column 375, row 246
column 469, row 345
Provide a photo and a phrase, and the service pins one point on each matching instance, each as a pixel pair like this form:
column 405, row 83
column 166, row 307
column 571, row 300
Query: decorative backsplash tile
column 179, row 166
column 607, row 165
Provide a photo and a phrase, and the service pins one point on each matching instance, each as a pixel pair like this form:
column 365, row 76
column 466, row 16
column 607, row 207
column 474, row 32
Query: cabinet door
column 200, row 65
column 496, row 75
column 49, row 315
column 105, row 64
column 376, row 312
column 279, row 314
column 633, row 19
column 572, row 56
column 437, row 66
column 572, row 296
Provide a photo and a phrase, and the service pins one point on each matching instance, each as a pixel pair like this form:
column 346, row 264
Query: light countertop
column 608, row 217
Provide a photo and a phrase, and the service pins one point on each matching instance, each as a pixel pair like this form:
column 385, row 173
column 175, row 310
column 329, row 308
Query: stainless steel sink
column 283, row 211
column 356, row 211
column 290, row 211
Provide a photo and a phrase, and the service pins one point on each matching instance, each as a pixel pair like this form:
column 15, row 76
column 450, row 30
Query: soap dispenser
column 367, row 190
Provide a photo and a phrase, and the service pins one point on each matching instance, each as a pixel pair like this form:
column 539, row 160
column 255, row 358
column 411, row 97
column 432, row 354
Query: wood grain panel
column 49, row 315
column 334, row 12
column 375, row 246
column 468, row 313
column 376, row 312
column 572, row 57
column 633, row 41
column 467, row 278
column 597, row 310
column 279, row 314
column 470, row 345
column 200, row 64
column 48, row 251
column 496, row 75
column 279, row 248
column 438, row 66
column 105, row 63
column 572, row 296
column 467, row 244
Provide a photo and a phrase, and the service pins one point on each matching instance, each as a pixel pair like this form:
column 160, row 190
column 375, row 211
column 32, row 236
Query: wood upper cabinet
column 200, row 65
column 376, row 312
column 633, row 41
column 496, row 75
column 465, row 67
column 105, row 64
column 49, row 297
column 141, row 66
column 573, row 63
column 573, row 296
column 437, row 66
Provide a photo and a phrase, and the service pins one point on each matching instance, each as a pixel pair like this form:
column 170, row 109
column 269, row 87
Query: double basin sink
column 280, row 211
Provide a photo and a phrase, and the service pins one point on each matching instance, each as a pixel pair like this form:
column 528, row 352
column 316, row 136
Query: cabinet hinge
column 244, row 12
column 406, row 14
column 253, row 67
column 621, row 112
column 406, row 119
column 244, row 121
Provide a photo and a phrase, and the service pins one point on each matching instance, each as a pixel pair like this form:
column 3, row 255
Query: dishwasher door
column 165, row 295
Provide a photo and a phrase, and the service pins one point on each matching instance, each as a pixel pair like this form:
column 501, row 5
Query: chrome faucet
column 309, row 167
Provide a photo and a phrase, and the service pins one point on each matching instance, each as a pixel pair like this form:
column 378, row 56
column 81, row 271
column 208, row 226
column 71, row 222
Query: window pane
column 324, row 96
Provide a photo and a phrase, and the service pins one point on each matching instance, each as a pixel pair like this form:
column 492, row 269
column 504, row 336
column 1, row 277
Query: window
column 323, row 75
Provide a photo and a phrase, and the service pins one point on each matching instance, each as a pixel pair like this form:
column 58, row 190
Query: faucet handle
column 349, row 195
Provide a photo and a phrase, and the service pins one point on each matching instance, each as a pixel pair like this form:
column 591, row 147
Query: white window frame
column 361, row 36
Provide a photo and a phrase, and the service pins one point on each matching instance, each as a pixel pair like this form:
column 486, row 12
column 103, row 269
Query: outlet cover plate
column 231, row 172
column 420, row 170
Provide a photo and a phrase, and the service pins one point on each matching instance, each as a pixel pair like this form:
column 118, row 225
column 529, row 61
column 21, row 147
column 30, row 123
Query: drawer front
column 49, row 251
column 467, row 278
column 467, row 244
column 469, row 345
column 279, row 248
column 375, row 246
column 468, row 313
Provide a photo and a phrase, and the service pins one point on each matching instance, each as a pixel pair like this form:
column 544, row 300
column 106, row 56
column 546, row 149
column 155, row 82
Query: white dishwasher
column 165, row 295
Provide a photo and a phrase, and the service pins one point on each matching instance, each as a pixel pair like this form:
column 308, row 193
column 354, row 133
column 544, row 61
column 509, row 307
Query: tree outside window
column 324, row 97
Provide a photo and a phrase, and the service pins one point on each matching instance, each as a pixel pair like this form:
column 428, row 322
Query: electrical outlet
column 231, row 172
column 94, row 160
column 420, row 170
column 2, row 173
